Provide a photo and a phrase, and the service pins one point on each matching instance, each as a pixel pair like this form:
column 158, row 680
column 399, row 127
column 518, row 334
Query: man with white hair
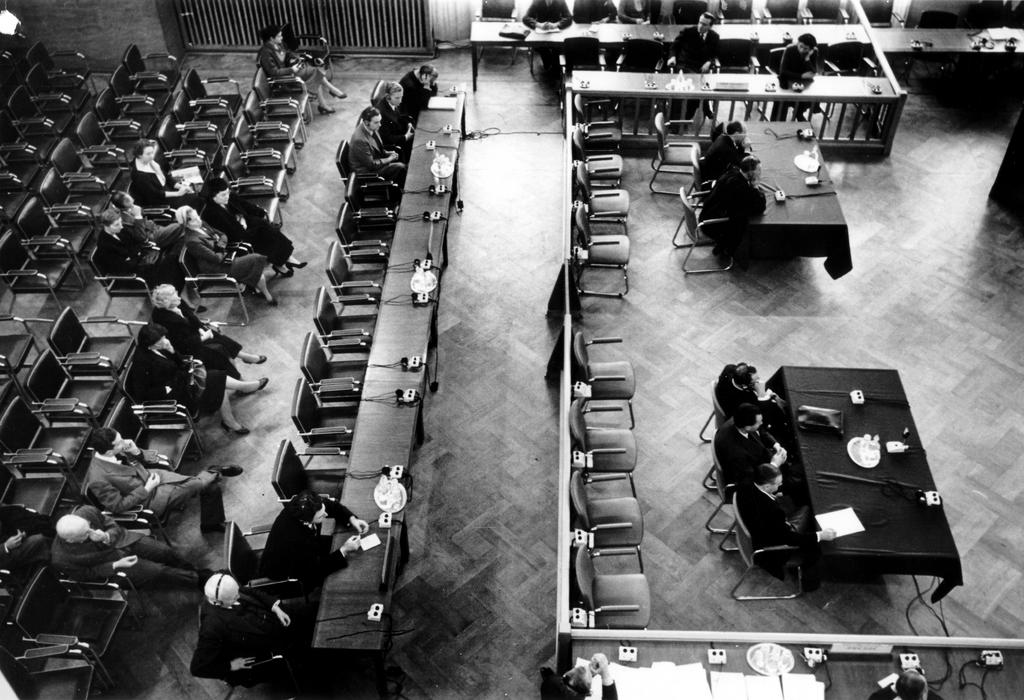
column 91, row 546
column 240, row 629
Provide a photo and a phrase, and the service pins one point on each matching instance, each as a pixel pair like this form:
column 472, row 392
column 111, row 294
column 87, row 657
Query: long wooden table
column 613, row 36
column 901, row 535
column 895, row 40
column 385, row 433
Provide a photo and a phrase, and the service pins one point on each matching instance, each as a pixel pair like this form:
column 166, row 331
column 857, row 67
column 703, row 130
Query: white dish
column 806, row 163
column 423, row 283
column 390, row 496
column 863, row 456
column 770, row 659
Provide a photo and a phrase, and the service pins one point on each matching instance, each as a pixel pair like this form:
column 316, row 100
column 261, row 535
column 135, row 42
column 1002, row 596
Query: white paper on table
column 692, row 681
column 633, row 683
column 843, row 521
column 191, row 175
column 369, row 541
column 728, row 686
column 763, row 687
column 802, row 686
column 1000, row 33
column 437, row 102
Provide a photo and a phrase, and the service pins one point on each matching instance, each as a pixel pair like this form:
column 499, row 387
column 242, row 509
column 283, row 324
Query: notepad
column 763, row 687
column 844, row 522
column 449, row 103
column 190, row 175
column 802, row 686
column 728, row 686
column 369, row 542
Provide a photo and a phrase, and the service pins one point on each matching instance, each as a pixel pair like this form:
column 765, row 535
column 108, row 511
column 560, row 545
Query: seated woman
column 159, row 373
column 244, row 222
column 276, row 61
column 119, row 253
column 166, row 237
column 192, row 336
column 738, row 384
column 396, row 130
column 151, row 187
column 208, row 248
column 635, row 11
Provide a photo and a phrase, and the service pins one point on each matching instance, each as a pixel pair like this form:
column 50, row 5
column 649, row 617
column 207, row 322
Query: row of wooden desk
column 385, row 433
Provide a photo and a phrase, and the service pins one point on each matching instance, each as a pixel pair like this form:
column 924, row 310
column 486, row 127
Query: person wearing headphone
column 575, row 683
column 911, row 685
column 296, row 547
column 240, row 629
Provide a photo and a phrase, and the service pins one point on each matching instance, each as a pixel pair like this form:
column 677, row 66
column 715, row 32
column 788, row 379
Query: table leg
column 475, row 61
column 381, row 677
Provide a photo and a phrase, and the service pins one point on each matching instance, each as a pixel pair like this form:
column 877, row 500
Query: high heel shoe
column 324, row 110
column 258, row 361
column 298, row 265
column 242, row 430
column 286, row 272
column 340, row 94
column 271, row 302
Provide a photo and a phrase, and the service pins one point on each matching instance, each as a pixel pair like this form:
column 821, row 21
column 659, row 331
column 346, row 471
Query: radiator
column 360, row 26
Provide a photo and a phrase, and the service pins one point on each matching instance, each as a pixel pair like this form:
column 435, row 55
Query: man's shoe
column 226, row 470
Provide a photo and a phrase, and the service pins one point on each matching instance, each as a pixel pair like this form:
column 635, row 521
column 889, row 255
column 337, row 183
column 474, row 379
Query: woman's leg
column 261, row 287
column 334, row 90
column 227, row 416
column 248, row 357
column 232, row 384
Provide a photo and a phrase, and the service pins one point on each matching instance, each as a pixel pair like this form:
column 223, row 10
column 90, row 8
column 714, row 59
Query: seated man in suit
column 911, row 685
column 593, row 11
column 575, row 683
column 119, row 252
column 548, row 16
column 798, row 67
column 419, row 85
column 727, row 150
column 741, row 445
column 694, row 51
column 739, row 384
column 122, row 476
column 367, row 153
column 296, row 549
column 758, row 506
column 90, row 546
column 25, row 537
column 735, row 197
column 241, row 628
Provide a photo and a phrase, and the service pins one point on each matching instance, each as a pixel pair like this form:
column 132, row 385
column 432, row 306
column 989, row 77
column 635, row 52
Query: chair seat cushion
column 616, row 438
column 609, row 203
column 607, row 167
column 68, row 441
column 622, row 589
column 612, row 389
column 678, row 154
column 609, row 250
column 173, row 443
column 117, row 348
column 13, row 351
column 54, row 272
column 40, row 494
column 616, row 510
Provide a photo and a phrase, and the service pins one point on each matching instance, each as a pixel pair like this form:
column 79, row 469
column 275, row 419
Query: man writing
column 367, row 153
column 122, row 476
column 694, row 51
column 548, row 16
column 419, row 85
column 769, row 526
column 575, row 683
column 734, row 198
column 728, row 149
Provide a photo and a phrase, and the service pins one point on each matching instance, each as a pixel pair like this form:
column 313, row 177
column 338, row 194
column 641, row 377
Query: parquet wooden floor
column 935, row 292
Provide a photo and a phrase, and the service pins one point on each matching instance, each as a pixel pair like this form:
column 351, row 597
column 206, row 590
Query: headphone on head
column 305, row 505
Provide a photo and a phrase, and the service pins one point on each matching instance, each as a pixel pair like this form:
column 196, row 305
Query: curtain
column 451, row 18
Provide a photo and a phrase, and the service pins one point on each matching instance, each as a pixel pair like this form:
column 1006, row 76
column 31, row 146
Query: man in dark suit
column 911, row 685
column 118, row 252
column 758, row 506
column 367, row 153
column 24, row 539
column 741, row 445
column 798, row 67
column 575, row 683
column 419, row 85
column 735, row 198
column 694, row 51
column 727, row 151
column 296, row 549
column 90, row 546
column 548, row 16
column 593, row 11
column 241, row 628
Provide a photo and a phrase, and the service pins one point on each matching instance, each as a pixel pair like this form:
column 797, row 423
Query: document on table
column 438, row 102
column 369, row 541
column 663, row 680
column 1000, row 33
column 728, row 686
column 763, row 687
column 802, row 686
column 844, row 522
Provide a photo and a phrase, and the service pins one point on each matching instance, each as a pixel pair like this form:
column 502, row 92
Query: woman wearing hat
column 277, row 61
column 159, row 373
column 244, row 222
column 208, row 248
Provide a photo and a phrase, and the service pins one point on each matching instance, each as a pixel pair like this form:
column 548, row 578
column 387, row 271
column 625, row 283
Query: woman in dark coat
column 191, row 336
column 159, row 373
column 396, row 130
column 208, row 249
column 244, row 222
column 277, row 61
column 151, row 187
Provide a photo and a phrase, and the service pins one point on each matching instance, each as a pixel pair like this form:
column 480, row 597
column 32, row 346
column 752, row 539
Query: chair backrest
column 661, row 130
column 20, row 103
column 67, row 335
column 688, row 11
column 878, row 12
column 341, row 159
column 193, row 86
column 581, row 51
column 736, row 10
column 37, row 81
column 31, row 219
column 338, row 270
column 743, row 541
column 42, row 600
column 577, row 424
column 18, row 426
column 734, row 54
column 64, row 157
column 37, row 53
column 846, row 55
column 988, row 13
column 716, row 405
column 377, row 92
column 304, row 407
column 181, row 109
column 123, row 419
column 46, row 377
column 132, row 59
column 12, row 254
column 775, row 59
column 579, row 148
column 578, row 496
column 241, row 559
column 313, row 362
column 289, row 476
column 234, row 166
column 497, row 10
column 584, row 574
column 19, row 677
column 579, row 352
column 242, row 135
column 725, row 490
column 105, row 105
column 581, row 218
column 583, row 180
column 785, row 10
column 824, row 9
column 324, row 314
column 88, row 131
column 642, row 55
column 167, row 134
column 689, row 216
column 261, row 84
column 251, row 108
column 938, row 19
column 120, row 82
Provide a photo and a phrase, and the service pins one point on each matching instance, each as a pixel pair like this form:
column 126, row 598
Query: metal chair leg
column 799, row 588
column 725, row 538
column 717, row 530
column 710, row 482
column 704, row 429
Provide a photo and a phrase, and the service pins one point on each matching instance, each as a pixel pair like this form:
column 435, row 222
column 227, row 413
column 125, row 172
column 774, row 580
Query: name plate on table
column 730, row 86
column 449, row 103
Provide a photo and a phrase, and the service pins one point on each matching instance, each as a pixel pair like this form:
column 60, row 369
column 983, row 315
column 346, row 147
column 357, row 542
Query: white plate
column 806, row 163
column 855, row 448
column 442, row 172
column 423, row 284
column 770, row 659
column 390, row 498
